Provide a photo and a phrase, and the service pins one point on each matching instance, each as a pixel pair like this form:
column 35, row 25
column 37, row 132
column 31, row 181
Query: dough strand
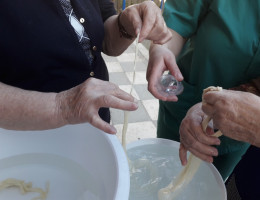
column 25, row 188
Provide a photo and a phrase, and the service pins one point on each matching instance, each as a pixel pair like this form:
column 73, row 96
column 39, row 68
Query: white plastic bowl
column 206, row 183
column 80, row 162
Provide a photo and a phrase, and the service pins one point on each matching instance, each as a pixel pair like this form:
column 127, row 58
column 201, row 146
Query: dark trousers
column 246, row 176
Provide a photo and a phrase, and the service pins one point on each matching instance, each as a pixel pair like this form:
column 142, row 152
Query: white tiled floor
column 152, row 107
column 140, row 77
column 142, row 123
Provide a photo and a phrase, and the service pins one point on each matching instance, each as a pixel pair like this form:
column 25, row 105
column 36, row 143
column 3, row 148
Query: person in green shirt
column 215, row 43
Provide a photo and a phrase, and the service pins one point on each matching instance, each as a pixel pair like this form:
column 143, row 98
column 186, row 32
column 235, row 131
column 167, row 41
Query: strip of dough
column 126, row 113
column 187, row 173
column 25, row 188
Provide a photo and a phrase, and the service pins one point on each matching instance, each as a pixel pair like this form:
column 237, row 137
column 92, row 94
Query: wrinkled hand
column 82, row 103
column 193, row 138
column 235, row 113
column 161, row 59
column 147, row 19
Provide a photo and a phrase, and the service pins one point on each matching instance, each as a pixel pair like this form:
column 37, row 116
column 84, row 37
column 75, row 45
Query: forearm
column 27, row 110
column 250, row 115
column 175, row 45
column 253, row 108
column 113, row 44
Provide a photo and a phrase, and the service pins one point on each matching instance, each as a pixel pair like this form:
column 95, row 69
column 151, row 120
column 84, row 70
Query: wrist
column 153, row 47
column 61, row 109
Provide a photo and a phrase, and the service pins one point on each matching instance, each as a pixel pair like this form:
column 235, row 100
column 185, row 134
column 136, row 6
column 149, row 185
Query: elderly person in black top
column 51, row 69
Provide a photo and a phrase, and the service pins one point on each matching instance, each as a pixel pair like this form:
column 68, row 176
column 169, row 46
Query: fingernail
column 214, row 153
column 113, row 130
column 137, row 31
column 218, row 142
column 136, row 100
column 180, row 76
column 136, row 103
column 183, row 163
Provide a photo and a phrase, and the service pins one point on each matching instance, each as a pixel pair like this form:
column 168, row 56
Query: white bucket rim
column 123, row 178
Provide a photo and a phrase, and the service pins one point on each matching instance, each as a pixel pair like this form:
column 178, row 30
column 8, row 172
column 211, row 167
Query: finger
column 211, row 96
column 183, row 154
column 133, row 21
column 137, row 24
column 110, row 101
column 202, row 156
column 208, row 109
column 147, row 24
column 164, row 37
column 195, row 147
column 158, row 28
column 121, row 94
column 153, row 77
column 113, row 89
column 203, row 149
column 97, row 122
column 203, row 138
column 174, row 69
column 164, row 95
column 160, row 33
column 171, row 98
column 160, row 96
column 191, row 142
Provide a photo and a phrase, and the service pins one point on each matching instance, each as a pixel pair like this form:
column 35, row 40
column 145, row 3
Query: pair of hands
column 235, row 113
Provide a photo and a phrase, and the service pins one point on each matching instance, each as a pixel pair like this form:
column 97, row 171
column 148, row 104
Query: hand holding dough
column 186, row 175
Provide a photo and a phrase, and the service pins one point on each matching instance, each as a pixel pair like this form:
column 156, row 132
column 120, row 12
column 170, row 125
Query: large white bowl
column 207, row 179
column 71, row 159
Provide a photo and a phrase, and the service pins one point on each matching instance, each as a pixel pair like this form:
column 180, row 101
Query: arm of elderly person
column 235, row 113
column 31, row 110
column 144, row 18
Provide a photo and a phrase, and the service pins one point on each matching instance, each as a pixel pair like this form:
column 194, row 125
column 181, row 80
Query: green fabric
column 222, row 50
column 227, row 162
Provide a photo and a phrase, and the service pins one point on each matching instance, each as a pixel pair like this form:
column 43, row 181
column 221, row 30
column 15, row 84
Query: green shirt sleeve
column 184, row 16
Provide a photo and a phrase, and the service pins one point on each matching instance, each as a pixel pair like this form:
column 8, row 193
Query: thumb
column 174, row 69
column 183, row 154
